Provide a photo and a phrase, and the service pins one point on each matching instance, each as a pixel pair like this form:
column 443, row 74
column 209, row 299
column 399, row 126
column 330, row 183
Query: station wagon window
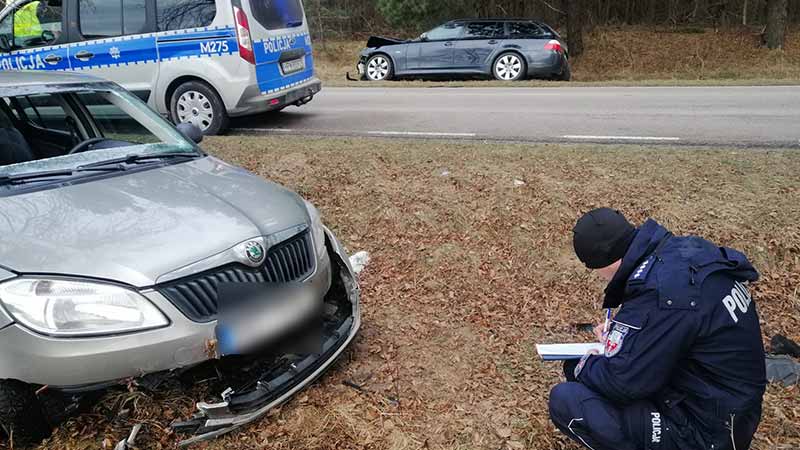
column 113, row 122
column 184, row 14
column 108, row 18
column 485, row 30
column 33, row 24
column 526, row 30
column 44, row 111
column 277, row 14
column 446, row 32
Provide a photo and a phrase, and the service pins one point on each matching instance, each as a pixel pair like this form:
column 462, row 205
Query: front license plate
column 295, row 65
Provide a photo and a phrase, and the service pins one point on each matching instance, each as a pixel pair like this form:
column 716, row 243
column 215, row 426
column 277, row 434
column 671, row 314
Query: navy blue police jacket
column 686, row 337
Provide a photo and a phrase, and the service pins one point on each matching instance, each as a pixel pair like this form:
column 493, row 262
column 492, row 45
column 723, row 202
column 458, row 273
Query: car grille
column 196, row 296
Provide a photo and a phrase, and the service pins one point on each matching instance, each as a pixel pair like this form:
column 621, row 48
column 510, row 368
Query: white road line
column 622, row 138
column 419, row 133
column 265, row 130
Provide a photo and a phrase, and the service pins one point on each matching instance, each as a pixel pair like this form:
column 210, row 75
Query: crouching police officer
column 684, row 362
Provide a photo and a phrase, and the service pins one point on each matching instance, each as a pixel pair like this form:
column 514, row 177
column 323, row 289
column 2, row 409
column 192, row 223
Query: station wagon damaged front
column 120, row 238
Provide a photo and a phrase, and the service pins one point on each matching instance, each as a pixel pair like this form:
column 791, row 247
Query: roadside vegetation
column 471, row 265
column 626, row 56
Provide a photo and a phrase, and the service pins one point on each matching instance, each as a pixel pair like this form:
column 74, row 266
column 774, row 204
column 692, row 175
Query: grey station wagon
column 128, row 255
column 506, row 49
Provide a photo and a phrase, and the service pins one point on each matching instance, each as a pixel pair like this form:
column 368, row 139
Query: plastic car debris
column 782, row 369
column 130, row 441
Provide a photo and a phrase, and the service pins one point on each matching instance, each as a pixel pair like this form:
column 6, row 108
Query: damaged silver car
column 130, row 256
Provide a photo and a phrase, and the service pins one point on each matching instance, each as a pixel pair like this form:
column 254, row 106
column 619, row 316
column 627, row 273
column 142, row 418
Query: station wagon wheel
column 509, row 67
column 379, row 68
column 197, row 103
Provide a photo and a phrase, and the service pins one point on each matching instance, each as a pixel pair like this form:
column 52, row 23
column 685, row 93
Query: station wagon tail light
column 554, row 45
column 73, row 308
column 243, row 36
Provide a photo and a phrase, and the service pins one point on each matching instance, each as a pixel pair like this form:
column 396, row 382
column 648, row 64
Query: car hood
column 137, row 226
column 381, row 41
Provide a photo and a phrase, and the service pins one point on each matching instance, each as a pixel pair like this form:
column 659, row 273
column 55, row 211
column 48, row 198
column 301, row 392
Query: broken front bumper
column 284, row 375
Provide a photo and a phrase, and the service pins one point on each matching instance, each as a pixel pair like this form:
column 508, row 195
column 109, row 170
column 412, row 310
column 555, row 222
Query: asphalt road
column 737, row 116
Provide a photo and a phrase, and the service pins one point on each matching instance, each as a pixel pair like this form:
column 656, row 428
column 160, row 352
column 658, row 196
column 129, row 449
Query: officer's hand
column 598, row 332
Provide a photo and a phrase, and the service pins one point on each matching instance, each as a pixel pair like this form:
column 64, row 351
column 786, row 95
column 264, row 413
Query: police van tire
column 197, row 102
column 21, row 417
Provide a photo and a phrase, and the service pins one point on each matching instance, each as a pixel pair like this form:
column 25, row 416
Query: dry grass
column 631, row 56
column 469, row 270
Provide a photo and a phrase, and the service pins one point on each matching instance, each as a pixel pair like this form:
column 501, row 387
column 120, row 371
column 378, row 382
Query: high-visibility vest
column 26, row 21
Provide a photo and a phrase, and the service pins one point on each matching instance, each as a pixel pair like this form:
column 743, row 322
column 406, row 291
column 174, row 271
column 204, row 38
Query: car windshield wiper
column 134, row 159
column 46, row 175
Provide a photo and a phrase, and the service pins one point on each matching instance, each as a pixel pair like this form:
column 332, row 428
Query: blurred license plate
column 293, row 66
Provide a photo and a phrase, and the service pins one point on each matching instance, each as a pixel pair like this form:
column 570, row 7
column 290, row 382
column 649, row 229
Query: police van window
column 526, row 30
column 33, row 24
column 183, row 14
column 485, row 30
column 105, row 18
column 277, row 14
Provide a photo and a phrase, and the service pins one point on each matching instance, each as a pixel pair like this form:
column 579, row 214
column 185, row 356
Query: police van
column 198, row 61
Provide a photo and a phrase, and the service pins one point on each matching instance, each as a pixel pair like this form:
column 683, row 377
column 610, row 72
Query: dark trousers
column 597, row 424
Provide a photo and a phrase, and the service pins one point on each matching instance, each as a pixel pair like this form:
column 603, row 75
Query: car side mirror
column 5, row 45
column 191, row 132
column 423, row 37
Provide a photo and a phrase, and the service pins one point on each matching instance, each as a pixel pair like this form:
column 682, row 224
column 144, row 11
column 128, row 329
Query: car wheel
column 509, row 67
column 21, row 417
column 379, row 68
column 197, row 103
column 566, row 74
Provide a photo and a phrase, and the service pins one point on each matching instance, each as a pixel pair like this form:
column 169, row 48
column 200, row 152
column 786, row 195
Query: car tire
column 198, row 103
column 509, row 66
column 21, row 417
column 379, row 68
column 566, row 74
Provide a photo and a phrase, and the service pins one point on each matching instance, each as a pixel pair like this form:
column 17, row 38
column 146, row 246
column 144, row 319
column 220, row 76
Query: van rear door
column 281, row 43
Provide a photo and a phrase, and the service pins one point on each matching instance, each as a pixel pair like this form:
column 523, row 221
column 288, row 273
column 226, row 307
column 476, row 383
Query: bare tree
column 777, row 12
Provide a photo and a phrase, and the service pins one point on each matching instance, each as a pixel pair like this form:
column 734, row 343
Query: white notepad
column 555, row 352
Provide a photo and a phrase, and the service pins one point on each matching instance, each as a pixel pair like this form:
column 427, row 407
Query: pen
column 608, row 321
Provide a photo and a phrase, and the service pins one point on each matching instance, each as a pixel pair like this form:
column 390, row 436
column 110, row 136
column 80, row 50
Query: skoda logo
column 254, row 252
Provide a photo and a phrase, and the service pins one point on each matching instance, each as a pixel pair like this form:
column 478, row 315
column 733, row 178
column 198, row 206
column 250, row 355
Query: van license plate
column 295, row 65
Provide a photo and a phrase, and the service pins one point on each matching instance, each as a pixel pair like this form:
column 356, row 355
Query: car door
column 478, row 44
column 32, row 37
column 110, row 40
column 435, row 49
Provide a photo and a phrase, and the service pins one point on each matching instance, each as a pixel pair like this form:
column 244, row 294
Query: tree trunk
column 777, row 11
column 575, row 15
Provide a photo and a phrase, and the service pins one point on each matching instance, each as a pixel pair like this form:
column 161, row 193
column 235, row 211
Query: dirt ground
column 471, row 266
column 623, row 56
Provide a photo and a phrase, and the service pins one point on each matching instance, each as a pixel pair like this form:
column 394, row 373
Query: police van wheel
column 197, row 103
column 21, row 418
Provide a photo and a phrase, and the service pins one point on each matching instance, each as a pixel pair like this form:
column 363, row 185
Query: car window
column 113, row 122
column 446, row 32
column 485, row 30
column 526, row 30
column 105, row 18
column 33, row 24
column 277, row 14
column 183, row 14
column 44, row 111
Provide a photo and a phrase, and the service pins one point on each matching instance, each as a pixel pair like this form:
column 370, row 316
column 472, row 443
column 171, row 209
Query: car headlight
column 317, row 230
column 78, row 308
